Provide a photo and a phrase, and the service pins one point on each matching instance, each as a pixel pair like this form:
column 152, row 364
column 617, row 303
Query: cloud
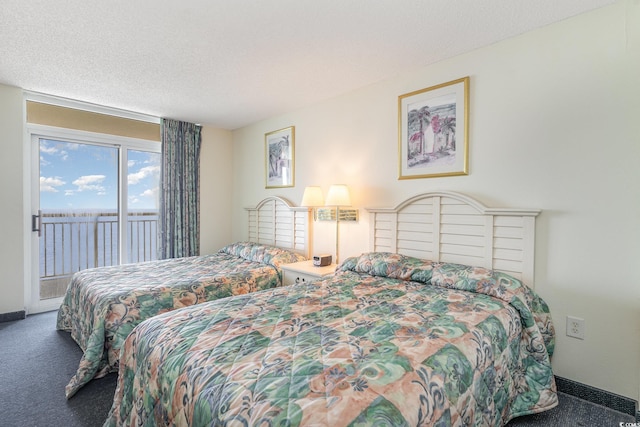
column 136, row 177
column 149, row 195
column 49, row 185
column 151, row 192
column 45, row 148
column 90, row 183
column 131, row 163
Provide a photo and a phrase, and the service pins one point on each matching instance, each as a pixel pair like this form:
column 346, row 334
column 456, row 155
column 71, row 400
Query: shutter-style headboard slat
column 275, row 221
column 451, row 227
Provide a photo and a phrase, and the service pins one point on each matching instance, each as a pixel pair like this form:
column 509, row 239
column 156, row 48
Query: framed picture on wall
column 433, row 128
column 280, row 158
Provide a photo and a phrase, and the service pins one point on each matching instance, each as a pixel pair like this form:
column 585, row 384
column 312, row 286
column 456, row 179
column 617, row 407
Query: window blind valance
column 71, row 118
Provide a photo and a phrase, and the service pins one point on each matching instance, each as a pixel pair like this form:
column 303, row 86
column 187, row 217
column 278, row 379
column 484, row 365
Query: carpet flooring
column 36, row 362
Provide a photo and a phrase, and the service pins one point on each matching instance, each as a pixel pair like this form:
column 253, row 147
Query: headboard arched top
column 276, row 221
column 452, row 227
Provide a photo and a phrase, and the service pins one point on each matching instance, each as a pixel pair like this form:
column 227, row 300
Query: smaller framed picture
column 280, row 158
column 433, row 127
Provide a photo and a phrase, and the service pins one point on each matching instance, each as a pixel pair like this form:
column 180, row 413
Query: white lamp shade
column 312, row 197
column 338, row 195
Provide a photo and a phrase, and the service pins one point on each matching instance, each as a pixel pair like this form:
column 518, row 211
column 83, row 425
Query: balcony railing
column 76, row 240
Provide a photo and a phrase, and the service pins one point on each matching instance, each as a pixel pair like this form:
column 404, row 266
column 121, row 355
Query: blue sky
column 83, row 176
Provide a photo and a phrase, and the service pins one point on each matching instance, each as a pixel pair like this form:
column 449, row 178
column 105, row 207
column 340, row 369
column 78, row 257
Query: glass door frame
column 32, row 247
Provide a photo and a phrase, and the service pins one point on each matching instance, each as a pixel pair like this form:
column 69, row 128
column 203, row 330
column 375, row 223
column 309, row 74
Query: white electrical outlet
column 575, row 327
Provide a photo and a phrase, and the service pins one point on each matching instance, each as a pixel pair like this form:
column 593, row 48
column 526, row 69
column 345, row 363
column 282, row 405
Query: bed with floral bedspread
column 102, row 305
column 388, row 340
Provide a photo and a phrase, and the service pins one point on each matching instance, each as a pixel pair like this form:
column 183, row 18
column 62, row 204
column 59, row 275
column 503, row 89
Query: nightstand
column 305, row 271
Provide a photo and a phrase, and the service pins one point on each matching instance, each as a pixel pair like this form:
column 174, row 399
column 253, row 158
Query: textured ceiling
column 229, row 63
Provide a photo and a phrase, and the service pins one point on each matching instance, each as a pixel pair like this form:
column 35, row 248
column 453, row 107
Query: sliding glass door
column 143, row 181
column 94, row 204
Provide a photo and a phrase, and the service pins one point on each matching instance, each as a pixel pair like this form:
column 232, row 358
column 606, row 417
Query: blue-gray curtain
column 179, row 230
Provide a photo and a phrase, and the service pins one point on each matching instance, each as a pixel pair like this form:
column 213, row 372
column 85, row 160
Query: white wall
column 12, row 212
column 554, row 124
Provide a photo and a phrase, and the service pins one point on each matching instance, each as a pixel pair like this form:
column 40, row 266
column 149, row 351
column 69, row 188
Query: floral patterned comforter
column 389, row 340
column 102, row 305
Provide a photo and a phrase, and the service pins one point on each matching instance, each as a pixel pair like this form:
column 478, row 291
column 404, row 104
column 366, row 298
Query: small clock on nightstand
column 305, row 271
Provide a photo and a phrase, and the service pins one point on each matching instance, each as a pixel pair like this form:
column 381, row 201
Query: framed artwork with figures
column 280, row 158
column 433, row 125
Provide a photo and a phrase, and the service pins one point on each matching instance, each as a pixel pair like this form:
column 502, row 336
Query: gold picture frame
column 279, row 153
column 433, row 131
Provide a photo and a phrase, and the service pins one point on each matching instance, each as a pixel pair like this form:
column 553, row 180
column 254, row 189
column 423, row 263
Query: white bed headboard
column 275, row 221
column 451, row 227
